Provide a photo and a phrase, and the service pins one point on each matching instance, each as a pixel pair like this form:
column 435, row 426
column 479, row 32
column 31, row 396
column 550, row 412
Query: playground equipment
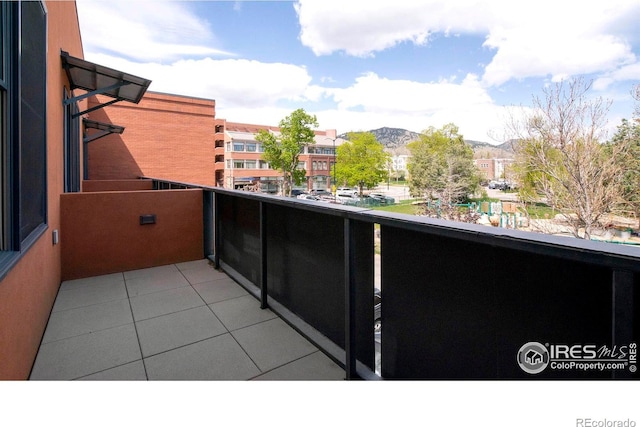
column 504, row 214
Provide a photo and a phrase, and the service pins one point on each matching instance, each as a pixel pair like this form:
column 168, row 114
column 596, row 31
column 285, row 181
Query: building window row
column 317, row 165
column 247, row 164
column 321, row 150
column 245, row 147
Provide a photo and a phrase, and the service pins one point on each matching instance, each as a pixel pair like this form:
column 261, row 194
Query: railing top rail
column 609, row 255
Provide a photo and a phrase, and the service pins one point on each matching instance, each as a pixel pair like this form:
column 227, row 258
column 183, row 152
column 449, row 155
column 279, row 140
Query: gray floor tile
column 177, row 329
column 92, row 281
column 219, row 358
column 273, row 343
column 316, row 366
column 86, row 354
column 84, row 320
column 205, row 273
column 193, row 265
column 129, row 372
column 165, row 302
column 155, row 282
column 89, row 295
column 219, row 290
column 241, row 312
column 151, row 271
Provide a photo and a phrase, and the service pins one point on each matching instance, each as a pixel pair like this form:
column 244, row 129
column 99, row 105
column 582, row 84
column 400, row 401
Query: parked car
column 321, row 193
column 296, row 192
column 348, row 199
column 383, row 199
column 346, row 191
column 305, row 196
column 377, row 305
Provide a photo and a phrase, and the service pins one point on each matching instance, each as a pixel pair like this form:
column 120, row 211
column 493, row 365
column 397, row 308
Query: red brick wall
column 166, row 136
column 117, row 185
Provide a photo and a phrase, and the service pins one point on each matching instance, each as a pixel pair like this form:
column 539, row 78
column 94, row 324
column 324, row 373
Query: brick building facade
column 165, row 135
column 179, row 138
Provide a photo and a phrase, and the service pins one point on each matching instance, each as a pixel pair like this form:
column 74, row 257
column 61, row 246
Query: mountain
column 394, row 139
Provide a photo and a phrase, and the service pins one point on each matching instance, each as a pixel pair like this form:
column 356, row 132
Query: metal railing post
column 207, row 222
column 263, row 256
column 349, row 301
column 217, row 218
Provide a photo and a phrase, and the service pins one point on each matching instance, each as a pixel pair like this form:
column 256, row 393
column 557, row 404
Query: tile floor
column 183, row 321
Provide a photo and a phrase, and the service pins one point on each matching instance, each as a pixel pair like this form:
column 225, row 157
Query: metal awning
column 99, row 80
column 104, row 129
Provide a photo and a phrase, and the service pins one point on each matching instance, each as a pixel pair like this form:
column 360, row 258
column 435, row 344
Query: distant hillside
column 394, row 139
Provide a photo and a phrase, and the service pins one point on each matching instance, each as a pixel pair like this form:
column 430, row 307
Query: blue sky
column 364, row 65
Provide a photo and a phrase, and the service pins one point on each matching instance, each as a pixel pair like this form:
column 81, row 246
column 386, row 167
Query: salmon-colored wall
column 166, row 136
column 28, row 291
column 101, row 232
column 117, row 185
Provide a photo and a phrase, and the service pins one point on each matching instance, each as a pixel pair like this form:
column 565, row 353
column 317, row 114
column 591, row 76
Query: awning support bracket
column 92, row 93
column 95, row 136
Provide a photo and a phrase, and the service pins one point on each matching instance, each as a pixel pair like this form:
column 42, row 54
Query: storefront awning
column 99, row 80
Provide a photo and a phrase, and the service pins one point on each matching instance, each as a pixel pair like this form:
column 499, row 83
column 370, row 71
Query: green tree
column 441, row 167
column 361, row 161
column 283, row 151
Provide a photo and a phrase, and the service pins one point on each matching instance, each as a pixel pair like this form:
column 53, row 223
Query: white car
column 346, row 191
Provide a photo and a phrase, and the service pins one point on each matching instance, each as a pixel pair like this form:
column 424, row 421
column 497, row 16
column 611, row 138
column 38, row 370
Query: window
column 238, row 164
column 250, row 146
column 228, row 146
column 238, row 146
column 314, row 165
column 23, row 186
column 250, row 164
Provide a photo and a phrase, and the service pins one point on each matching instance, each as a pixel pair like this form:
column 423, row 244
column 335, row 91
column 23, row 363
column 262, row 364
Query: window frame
column 22, row 225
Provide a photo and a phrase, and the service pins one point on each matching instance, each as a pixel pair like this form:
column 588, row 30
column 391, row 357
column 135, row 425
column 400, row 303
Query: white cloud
column 373, row 102
column 530, row 39
column 145, row 30
column 361, row 29
column 159, row 38
column 629, row 73
column 376, row 94
column 231, row 82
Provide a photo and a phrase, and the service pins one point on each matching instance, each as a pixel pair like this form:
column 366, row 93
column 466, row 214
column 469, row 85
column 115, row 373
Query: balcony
column 183, row 321
column 460, row 301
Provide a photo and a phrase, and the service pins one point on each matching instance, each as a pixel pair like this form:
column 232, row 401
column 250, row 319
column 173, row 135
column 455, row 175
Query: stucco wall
column 101, row 232
column 28, row 290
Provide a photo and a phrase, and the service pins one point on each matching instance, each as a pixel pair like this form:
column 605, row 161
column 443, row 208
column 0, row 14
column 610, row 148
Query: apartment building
column 245, row 169
column 493, row 168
